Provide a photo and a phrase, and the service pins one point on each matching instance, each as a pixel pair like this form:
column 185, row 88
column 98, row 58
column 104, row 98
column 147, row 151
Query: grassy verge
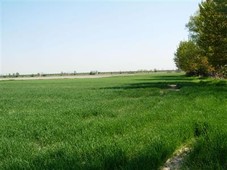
column 133, row 122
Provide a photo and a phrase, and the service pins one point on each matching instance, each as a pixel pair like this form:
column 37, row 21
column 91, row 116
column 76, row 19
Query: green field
column 128, row 122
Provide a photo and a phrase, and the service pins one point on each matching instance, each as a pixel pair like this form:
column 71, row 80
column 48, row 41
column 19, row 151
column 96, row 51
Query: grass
column 130, row 122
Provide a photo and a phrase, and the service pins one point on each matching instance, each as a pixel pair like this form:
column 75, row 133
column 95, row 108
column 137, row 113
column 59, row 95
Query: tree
column 189, row 59
column 192, row 26
column 206, row 51
column 17, row 74
column 208, row 29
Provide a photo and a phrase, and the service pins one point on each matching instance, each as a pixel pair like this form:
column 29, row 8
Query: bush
column 93, row 72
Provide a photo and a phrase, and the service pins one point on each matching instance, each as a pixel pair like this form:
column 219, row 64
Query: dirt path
column 176, row 161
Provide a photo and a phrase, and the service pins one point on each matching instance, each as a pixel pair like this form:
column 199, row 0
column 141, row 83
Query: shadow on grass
column 117, row 159
column 165, row 82
column 209, row 152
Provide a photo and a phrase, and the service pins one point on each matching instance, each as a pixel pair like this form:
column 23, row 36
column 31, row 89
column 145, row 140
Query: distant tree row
column 205, row 53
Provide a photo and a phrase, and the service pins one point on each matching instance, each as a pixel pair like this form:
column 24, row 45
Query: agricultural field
column 121, row 122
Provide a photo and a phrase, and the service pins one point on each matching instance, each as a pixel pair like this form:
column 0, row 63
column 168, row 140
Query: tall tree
column 208, row 28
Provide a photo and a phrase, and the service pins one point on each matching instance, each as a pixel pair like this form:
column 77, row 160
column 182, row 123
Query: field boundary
column 59, row 77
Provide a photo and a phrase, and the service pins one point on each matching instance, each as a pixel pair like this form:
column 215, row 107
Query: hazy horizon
column 67, row 36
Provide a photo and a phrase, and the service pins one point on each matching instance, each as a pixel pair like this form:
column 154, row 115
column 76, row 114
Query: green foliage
column 208, row 31
column 212, row 29
column 188, row 58
column 133, row 122
column 223, row 71
column 192, row 26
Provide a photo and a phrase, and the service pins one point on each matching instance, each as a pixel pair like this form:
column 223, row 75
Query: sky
column 53, row 36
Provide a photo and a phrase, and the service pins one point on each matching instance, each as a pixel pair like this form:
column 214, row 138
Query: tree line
column 205, row 51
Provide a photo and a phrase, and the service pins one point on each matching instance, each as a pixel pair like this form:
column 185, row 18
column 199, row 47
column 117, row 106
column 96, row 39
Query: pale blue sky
column 56, row 35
